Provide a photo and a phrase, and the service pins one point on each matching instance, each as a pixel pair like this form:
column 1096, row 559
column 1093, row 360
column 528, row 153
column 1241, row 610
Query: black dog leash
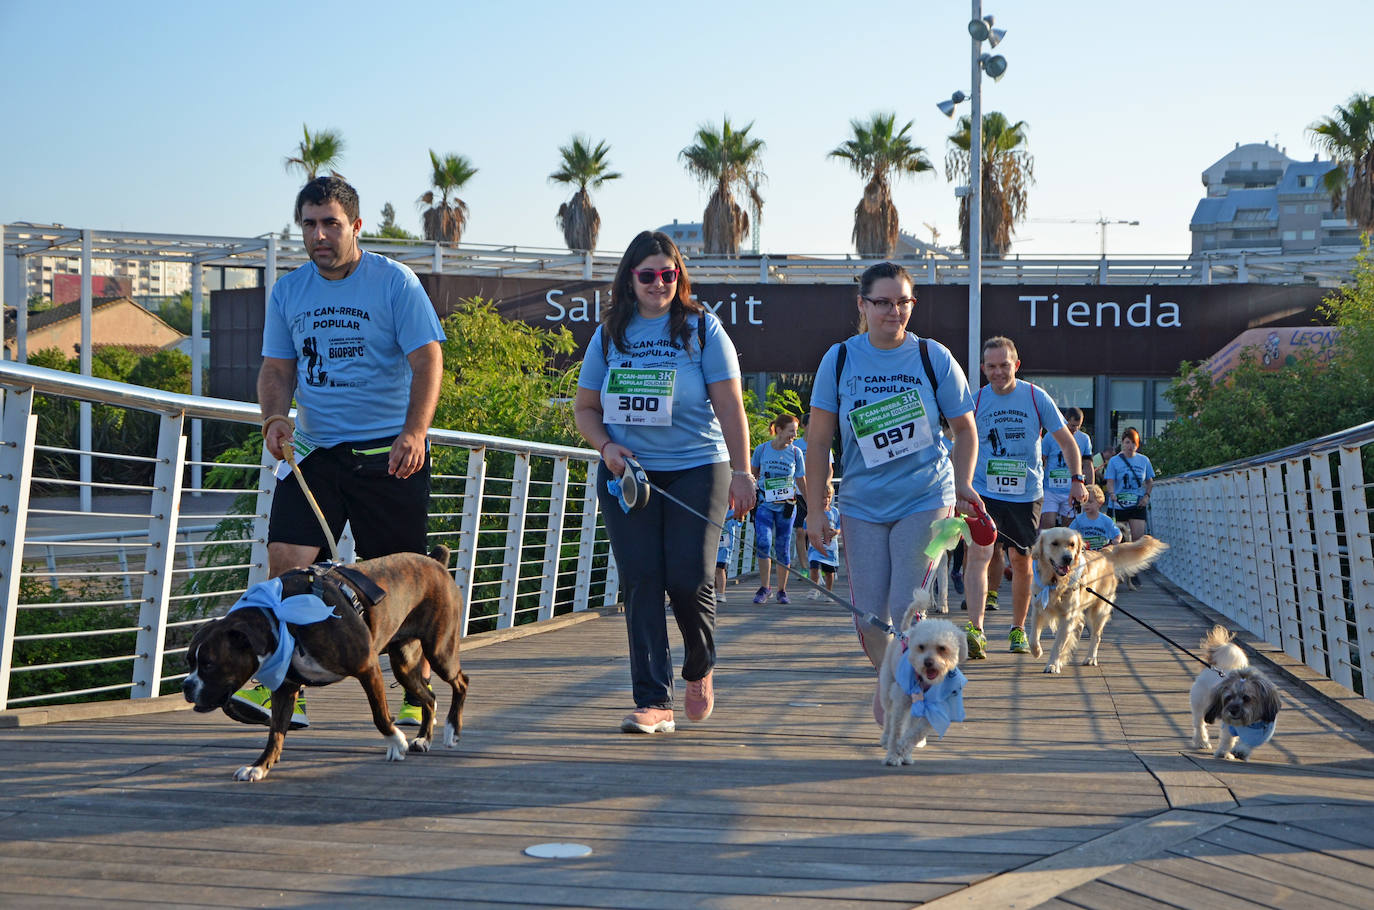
column 1149, row 627
column 634, row 495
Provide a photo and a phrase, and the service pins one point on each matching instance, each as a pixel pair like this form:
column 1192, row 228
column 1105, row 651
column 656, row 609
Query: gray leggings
column 885, row 562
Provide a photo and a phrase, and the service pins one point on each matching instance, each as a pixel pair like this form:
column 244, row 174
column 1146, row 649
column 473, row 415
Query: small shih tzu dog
column 1236, row 695
column 919, row 681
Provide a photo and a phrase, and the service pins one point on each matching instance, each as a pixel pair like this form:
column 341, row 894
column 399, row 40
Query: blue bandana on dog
column 1252, row 735
column 941, row 703
column 1042, row 588
column 301, row 609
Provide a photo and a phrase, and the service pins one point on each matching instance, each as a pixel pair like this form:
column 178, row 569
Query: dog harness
column 1252, row 735
column 1072, row 580
column 941, row 704
column 300, row 609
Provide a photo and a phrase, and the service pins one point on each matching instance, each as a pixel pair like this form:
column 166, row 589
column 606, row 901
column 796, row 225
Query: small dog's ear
column 1215, row 705
column 1269, row 700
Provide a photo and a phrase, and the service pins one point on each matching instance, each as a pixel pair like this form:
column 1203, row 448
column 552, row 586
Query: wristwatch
column 1077, row 477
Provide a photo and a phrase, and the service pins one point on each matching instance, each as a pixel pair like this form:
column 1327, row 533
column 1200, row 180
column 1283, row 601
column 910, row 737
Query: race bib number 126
column 639, row 397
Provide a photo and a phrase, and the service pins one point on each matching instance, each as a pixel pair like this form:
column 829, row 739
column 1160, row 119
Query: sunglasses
column 647, row 276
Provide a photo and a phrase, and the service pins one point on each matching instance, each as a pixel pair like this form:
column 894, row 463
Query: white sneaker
column 720, row 598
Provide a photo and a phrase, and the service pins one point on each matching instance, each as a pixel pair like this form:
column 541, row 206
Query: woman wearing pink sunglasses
column 660, row 384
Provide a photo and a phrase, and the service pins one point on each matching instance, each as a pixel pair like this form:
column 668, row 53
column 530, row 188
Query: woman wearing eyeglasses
column 899, row 475
column 660, row 383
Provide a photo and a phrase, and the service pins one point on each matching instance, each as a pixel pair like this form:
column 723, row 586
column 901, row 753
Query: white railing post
column 20, row 427
column 1360, row 560
column 1305, row 565
column 465, row 568
column 262, row 511
column 157, row 579
column 586, row 545
column 1267, row 602
column 515, row 538
column 197, row 371
column 1329, row 583
column 553, row 544
column 1285, row 588
column 586, row 265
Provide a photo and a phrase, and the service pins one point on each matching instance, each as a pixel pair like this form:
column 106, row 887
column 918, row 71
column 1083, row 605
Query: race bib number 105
column 639, row 397
column 891, row 428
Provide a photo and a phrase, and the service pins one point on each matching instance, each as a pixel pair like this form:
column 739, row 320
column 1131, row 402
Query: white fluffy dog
column 919, row 681
column 1234, row 693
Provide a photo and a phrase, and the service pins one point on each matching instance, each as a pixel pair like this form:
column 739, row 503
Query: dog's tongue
column 931, row 672
column 1061, row 571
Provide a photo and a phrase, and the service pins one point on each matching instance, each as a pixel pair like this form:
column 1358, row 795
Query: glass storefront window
column 1128, row 395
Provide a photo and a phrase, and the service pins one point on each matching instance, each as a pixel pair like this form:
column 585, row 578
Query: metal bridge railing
column 1280, row 544
column 79, row 618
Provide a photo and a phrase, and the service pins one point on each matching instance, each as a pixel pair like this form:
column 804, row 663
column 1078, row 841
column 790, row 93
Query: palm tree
column 316, row 153
column 723, row 162
column 878, row 152
column 585, row 167
column 1008, row 170
column 1348, row 138
column 444, row 220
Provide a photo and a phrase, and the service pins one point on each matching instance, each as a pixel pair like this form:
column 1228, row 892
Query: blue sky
column 175, row 117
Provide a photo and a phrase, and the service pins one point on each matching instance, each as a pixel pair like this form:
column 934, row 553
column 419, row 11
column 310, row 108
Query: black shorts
column 1134, row 512
column 351, row 484
column 818, row 567
column 800, row 521
column 1017, row 522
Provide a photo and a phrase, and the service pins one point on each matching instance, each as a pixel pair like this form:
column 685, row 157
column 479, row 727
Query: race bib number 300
column 891, row 428
column 639, row 397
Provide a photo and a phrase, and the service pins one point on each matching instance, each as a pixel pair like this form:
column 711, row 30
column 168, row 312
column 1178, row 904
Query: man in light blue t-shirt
column 1008, row 475
column 353, row 338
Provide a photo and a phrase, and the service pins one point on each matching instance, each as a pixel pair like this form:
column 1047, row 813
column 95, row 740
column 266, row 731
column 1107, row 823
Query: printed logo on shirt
column 883, row 385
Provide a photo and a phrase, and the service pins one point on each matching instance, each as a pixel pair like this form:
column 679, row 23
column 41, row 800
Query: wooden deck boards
column 1070, row 791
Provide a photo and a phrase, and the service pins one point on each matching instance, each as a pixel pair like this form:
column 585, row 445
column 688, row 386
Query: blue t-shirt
column 1128, row 476
column 1097, row 532
column 1057, row 473
column 726, row 547
column 349, row 339
column 694, row 437
column 921, row 480
column 1009, row 441
column 830, row 556
column 776, row 465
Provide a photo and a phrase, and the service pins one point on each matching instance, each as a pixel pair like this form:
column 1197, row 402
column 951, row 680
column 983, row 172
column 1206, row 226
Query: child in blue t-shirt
column 825, row 562
column 781, row 476
column 1098, row 530
column 725, row 551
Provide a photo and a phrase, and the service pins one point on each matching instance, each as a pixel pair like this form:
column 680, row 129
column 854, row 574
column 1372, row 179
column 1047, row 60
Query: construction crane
column 1099, row 221
column 934, row 233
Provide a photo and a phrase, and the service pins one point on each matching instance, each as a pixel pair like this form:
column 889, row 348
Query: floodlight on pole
column 947, row 107
column 982, row 30
column 995, row 65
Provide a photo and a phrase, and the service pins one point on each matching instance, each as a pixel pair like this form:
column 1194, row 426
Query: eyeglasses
column 882, row 303
column 647, row 276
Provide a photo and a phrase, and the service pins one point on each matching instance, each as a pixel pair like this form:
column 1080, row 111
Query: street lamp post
column 980, row 29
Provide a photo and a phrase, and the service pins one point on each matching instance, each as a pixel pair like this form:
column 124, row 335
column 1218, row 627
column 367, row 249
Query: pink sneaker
column 701, row 698
column 648, row 720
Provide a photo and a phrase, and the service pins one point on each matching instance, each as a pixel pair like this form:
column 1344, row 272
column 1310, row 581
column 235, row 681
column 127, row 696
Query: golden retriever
column 1064, row 570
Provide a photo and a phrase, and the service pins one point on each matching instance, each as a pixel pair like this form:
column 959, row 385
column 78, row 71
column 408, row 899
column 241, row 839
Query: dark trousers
column 664, row 549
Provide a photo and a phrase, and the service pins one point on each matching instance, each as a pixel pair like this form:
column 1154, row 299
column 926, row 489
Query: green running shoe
column 1018, row 643
column 977, row 642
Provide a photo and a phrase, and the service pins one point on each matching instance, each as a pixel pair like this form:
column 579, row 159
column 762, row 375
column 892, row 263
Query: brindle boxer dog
column 419, row 614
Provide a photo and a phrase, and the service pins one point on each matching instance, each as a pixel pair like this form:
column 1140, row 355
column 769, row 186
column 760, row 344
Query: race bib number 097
column 891, row 428
column 639, row 397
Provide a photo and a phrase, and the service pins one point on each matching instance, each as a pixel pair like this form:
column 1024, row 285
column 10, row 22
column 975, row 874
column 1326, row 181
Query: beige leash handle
column 289, row 454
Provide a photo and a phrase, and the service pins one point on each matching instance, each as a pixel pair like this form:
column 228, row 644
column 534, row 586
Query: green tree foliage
column 316, row 152
column 176, row 312
column 587, row 168
column 389, row 229
column 1256, row 411
column 444, row 220
column 725, row 162
column 1008, row 171
column 1348, row 137
column 776, row 401
column 879, row 153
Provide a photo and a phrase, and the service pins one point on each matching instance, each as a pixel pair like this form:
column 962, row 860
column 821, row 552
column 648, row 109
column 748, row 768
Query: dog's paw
column 1053, row 668
column 450, row 737
column 919, row 744
column 396, row 746
column 892, row 760
column 419, row 744
column 1035, row 649
column 250, row 773
column 1090, row 661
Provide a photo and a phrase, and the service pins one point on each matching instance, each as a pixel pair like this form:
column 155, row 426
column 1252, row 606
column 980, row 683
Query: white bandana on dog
column 301, row 609
column 941, row 704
